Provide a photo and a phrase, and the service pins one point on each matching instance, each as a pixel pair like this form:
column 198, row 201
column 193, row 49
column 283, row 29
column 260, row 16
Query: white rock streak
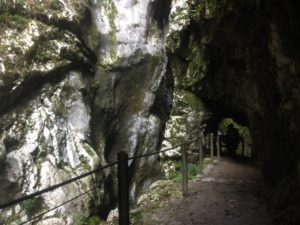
column 127, row 25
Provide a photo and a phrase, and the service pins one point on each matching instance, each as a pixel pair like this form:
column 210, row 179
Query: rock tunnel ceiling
column 82, row 80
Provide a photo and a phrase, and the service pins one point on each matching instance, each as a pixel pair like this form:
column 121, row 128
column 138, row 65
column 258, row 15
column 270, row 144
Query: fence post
column 207, row 141
column 298, row 173
column 201, row 156
column 243, row 147
column 184, row 171
column 123, row 188
column 211, row 146
column 218, row 146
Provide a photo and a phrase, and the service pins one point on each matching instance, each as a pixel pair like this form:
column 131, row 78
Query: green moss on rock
column 33, row 206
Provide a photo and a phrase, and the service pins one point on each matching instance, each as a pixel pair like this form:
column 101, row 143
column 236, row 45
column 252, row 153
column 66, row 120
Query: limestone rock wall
column 79, row 82
column 185, row 66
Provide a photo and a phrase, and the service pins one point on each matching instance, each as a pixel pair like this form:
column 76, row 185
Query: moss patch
column 33, row 206
column 86, row 219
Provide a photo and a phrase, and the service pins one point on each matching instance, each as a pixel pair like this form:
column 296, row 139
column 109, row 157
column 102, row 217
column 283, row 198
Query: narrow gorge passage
column 231, row 193
column 81, row 81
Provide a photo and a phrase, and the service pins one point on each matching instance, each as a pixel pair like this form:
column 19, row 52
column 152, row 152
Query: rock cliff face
column 188, row 113
column 242, row 59
column 79, row 81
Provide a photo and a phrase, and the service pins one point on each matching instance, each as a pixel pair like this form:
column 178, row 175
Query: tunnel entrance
column 219, row 122
column 244, row 139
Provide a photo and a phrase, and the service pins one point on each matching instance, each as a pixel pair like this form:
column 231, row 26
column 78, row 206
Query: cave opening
column 217, row 123
column 244, row 142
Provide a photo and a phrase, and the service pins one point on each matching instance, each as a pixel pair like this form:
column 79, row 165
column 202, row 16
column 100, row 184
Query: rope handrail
column 56, row 207
column 51, row 188
column 154, row 153
column 158, row 152
column 148, row 165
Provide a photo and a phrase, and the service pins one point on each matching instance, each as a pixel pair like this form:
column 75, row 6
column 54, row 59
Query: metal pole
column 123, row 188
column 201, row 156
column 184, row 171
column 211, row 146
column 218, row 146
column 243, row 147
column 207, row 142
column 298, row 174
column 220, row 143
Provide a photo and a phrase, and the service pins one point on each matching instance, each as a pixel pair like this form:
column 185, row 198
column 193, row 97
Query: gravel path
column 231, row 193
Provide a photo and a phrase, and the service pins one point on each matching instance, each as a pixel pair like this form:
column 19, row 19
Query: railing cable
column 56, row 207
column 35, row 194
column 154, row 153
column 158, row 152
column 51, row 188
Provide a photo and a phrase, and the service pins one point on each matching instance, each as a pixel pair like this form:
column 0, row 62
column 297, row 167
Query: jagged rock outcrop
column 79, row 82
column 188, row 112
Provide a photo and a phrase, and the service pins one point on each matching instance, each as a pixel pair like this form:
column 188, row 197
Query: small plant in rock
column 33, row 206
column 84, row 162
column 136, row 217
column 193, row 170
column 176, row 174
column 13, row 219
column 85, row 219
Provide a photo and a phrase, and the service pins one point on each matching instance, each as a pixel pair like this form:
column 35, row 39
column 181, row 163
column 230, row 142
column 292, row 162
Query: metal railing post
column 218, row 146
column 243, row 147
column 201, row 156
column 207, row 142
column 298, row 174
column 211, row 146
column 184, row 171
column 123, row 188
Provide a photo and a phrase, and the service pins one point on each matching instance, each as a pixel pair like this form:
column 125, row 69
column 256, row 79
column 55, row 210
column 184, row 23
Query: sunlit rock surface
column 184, row 129
column 185, row 126
column 79, row 82
column 179, row 19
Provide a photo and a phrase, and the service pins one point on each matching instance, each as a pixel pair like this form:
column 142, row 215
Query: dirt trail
column 230, row 194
